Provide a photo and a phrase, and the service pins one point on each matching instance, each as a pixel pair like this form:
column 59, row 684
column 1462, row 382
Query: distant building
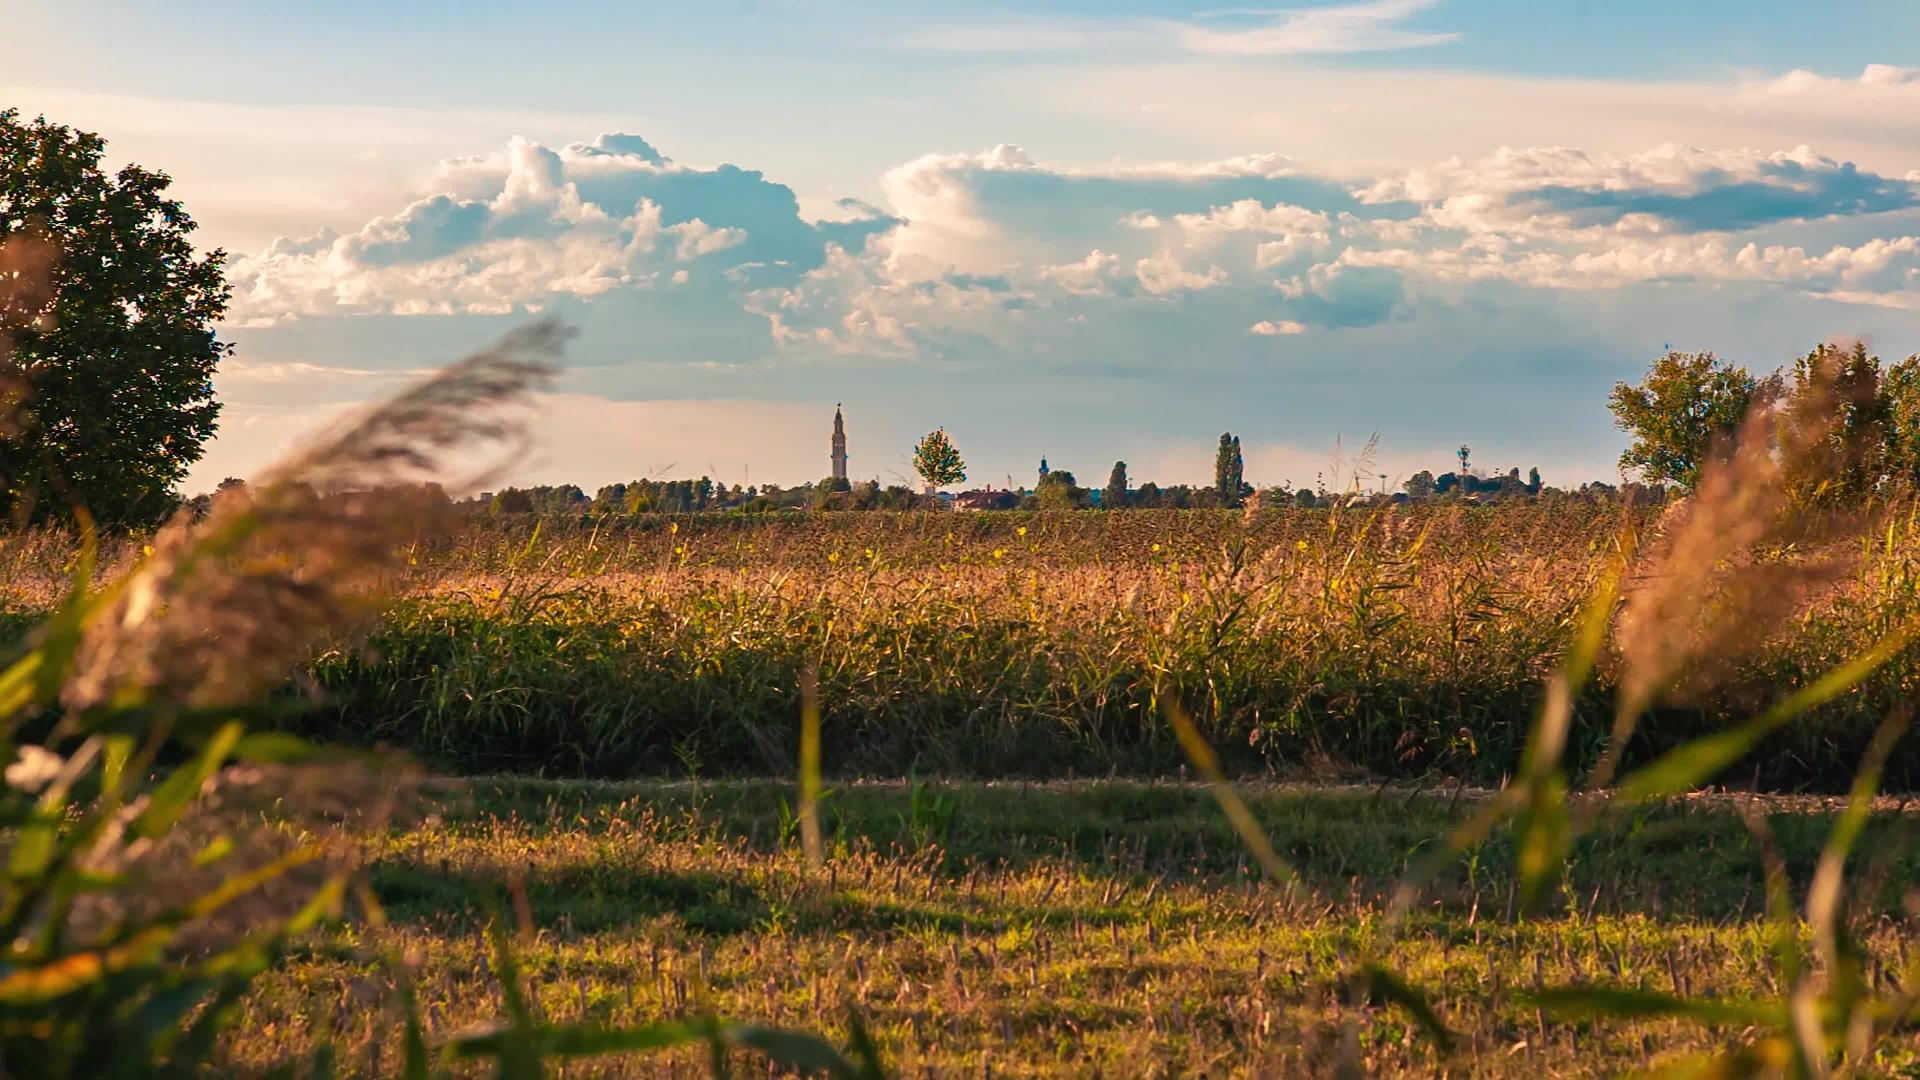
column 839, row 446
column 987, row 499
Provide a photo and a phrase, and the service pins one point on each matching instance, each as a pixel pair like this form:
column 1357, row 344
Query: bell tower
column 839, row 445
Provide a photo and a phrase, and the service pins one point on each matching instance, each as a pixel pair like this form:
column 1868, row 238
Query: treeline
column 1843, row 425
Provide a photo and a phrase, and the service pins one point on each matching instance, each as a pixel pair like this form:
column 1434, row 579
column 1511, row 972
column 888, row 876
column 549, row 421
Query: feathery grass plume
column 223, row 605
column 149, row 881
column 1729, row 564
column 26, row 291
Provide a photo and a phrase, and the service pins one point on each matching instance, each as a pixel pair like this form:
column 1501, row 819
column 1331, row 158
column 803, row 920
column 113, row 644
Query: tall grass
column 1407, row 643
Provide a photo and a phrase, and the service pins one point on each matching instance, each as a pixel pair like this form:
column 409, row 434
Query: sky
column 1085, row 231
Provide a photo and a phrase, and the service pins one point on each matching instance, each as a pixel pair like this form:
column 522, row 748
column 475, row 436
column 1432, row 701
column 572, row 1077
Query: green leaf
column 274, row 747
column 174, row 794
column 1620, row 1003
column 805, row 1053
column 1687, row 767
column 1385, row 985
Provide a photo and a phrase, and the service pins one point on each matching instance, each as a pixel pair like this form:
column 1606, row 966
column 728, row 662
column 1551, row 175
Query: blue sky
column 1085, row 230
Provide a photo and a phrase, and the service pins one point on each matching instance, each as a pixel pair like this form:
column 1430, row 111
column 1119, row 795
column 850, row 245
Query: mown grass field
column 1065, row 929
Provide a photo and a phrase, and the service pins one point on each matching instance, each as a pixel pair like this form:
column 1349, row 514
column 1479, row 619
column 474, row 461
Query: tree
column 1688, row 405
column 1114, row 495
column 938, row 461
column 1058, row 490
column 1900, row 397
column 1420, row 485
column 1837, row 422
column 1533, row 480
column 1229, row 471
column 113, row 362
column 512, row 501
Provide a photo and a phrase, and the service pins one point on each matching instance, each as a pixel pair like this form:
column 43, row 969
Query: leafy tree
column 1837, row 402
column 1420, row 485
column 938, row 461
column 1114, row 495
column 1229, row 471
column 512, row 501
column 1058, row 490
column 1305, row 498
column 1533, row 480
column 1689, row 403
column 1148, row 495
column 113, row 362
column 1900, row 398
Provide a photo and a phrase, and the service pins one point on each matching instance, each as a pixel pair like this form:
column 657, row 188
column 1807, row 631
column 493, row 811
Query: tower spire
column 839, row 445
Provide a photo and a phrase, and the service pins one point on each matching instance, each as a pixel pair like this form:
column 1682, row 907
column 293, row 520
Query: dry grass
column 1057, row 930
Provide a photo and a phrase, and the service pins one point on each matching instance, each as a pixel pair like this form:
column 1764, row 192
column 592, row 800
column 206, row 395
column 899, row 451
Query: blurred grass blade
column 34, row 840
column 810, row 765
column 1208, row 765
column 1384, row 985
column 1621, row 1003
column 799, row 1052
column 1687, row 767
column 172, row 797
column 36, row 678
column 1826, row 897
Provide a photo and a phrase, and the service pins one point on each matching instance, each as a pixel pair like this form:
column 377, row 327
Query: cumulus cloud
column 1668, row 189
column 528, row 223
column 979, row 254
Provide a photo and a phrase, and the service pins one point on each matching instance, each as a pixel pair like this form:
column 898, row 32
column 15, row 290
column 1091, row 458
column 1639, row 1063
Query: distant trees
column 1420, row 485
column 512, row 501
column 1114, row 495
column 110, row 386
column 1844, row 425
column 1058, row 490
column 1229, row 471
column 937, row 460
column 1688, row 404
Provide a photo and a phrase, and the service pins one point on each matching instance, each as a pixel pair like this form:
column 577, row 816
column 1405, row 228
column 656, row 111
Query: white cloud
column 1092, row 276
column 1272, row 328
column 520, row 226
column 1160, row 275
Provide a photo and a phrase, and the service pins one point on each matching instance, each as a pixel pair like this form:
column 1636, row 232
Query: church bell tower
column 839, row 446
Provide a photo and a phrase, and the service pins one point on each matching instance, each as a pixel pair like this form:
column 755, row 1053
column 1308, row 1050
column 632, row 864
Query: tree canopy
column 937, row 460
column 111, row 380
column 1229, row 471
column 1688, row 404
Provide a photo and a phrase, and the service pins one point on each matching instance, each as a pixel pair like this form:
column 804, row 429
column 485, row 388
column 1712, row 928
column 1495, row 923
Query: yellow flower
column 833, row 556
column 997, row 552
column 1301, row 544
column 673, row 527
column 1022, row 530
column 1156, row 547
